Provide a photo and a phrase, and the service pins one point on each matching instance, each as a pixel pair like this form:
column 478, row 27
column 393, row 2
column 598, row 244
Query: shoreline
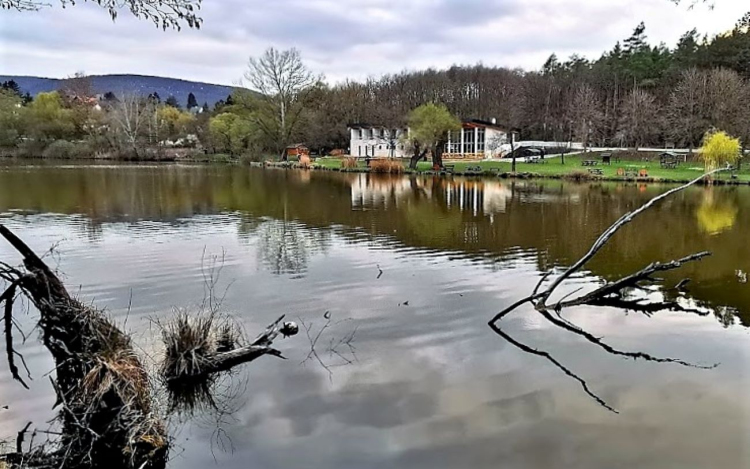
column 488, row 174
column 492, row 173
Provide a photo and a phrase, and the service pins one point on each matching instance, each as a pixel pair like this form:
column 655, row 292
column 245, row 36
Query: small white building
column 477, row 140
column 377, row 141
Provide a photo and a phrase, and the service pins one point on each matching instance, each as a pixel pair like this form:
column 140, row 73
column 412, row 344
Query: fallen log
column 102, row 387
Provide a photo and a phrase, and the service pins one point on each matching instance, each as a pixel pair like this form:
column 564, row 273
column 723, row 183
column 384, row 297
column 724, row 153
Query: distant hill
column 139, row 84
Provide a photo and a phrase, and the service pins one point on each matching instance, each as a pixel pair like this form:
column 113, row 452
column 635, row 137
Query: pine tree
column 206, row 108
column 229, row 101
column 11, row 85
column 637, row 41
column 192, row 102
column 172, row 101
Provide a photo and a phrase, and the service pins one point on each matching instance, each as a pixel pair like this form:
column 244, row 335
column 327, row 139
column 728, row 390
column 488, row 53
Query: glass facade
column 468, row 140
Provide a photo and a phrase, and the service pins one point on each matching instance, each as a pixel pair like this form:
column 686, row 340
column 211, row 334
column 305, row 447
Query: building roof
column 362, row 125
column 482, row 123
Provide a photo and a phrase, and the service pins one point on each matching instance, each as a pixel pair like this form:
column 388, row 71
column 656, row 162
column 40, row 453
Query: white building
column 477, row 140
column 376, row 141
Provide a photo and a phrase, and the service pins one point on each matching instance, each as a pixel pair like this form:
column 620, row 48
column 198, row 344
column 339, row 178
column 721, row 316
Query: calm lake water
column 428, row 384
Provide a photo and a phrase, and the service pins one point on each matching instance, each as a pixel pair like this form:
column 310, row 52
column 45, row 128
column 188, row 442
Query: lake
column 409, row 270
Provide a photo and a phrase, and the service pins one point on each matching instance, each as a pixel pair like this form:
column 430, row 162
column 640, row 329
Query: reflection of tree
column 716, row 215
column 612, row 294
column 285, row 247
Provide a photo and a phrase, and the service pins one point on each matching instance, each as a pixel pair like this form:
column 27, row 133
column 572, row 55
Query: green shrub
column 60, row 150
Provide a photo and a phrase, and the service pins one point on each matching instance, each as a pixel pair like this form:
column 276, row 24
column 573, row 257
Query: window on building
column 361, row 134
column 468, row 141
column 480, row 140
column 359, row 151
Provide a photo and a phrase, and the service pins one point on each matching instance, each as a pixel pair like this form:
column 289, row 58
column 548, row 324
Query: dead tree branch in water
column 200, row 346
column 107, row 409
column 611, row 294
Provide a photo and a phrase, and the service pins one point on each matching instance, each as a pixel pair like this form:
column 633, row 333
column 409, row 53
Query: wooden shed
column 297, row 151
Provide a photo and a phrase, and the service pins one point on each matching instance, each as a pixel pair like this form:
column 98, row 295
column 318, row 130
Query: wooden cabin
column 295, row 152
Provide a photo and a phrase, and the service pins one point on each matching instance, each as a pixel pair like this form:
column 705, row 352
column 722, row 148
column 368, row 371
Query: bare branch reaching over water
column 610, row 294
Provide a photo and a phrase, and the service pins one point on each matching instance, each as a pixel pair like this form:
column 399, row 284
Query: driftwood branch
column 611, row 294
column 7, row 297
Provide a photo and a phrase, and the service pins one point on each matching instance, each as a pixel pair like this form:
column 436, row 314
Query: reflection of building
column 377, row 141
column 477, row 196
column 369, row 190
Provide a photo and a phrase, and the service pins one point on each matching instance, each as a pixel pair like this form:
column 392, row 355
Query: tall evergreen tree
column 191, row 102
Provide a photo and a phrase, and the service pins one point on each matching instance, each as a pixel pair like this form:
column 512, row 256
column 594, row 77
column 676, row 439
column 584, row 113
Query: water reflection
column 496, row 222
column 285, row 247
column 433, row 386
column 716, row 213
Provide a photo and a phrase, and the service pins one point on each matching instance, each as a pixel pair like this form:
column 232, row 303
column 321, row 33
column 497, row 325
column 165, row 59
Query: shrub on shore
column 349, row 163
column 387, row 166
column 578, row 176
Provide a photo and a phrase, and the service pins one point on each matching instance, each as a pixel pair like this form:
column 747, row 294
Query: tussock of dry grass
column 191, row 342
column 387, row 166
column 349, row 163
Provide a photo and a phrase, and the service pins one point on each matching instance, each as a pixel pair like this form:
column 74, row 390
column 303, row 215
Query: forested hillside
column 637, row 93
column 126, row 84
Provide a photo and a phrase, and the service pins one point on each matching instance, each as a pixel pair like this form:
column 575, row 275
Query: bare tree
column 585, row 113
column 163, row 13
column 283, row 82
column 639, row 117
column 130, row 116
column 726, row 108
column 78, row 87
column 687, row 107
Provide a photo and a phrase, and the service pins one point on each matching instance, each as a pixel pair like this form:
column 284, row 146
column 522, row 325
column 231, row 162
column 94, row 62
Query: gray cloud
column 342, row 40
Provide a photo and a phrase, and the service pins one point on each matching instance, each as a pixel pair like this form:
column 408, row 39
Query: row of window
column 379, row 133
column 369, row 150
column 469, row 143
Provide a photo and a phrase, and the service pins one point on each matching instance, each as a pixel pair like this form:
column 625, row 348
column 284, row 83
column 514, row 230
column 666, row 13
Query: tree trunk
column 418, row 155
column 437, row 155
column 512, row 153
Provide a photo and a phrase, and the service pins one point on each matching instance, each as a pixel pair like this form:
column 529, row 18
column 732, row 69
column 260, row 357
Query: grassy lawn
column 573, row 164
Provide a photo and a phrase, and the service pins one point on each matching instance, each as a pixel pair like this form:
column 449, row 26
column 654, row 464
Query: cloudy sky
column 341, row 39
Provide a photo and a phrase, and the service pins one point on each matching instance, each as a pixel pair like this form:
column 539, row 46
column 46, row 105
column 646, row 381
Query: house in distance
column 477, row 140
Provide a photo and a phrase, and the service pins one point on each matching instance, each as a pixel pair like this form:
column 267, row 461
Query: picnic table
column 589, row 162
column 596, row 172
column 474, row 169
column 449, row 168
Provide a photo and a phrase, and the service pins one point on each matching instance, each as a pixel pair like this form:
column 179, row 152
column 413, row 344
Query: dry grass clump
column 192, row 341
column 304, row 162
column 349, row 163
column 579, row 176
column 387, row 166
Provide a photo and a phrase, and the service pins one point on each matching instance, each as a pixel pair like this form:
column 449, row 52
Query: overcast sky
column 341, row 39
